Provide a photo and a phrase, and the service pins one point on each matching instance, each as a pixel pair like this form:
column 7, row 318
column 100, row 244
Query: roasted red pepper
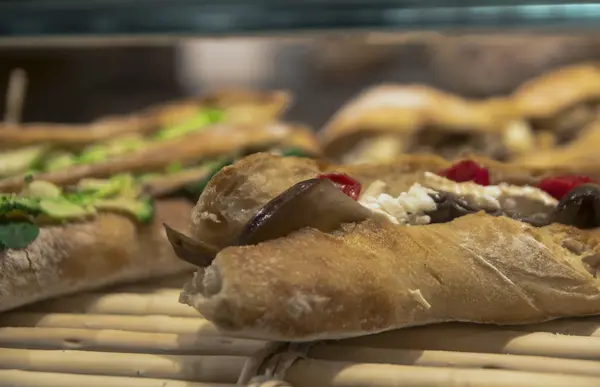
column 559, row 186
column 467, row 170
column 348, row 185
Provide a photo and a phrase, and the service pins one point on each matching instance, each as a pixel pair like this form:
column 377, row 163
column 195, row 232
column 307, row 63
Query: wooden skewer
column 151, row 324
column 15, row 96
column 470, row 338
column 312, row 373
column 163, row 303
column 455, row 359
column 216, row 369
column 18, row 378
column 133, row 342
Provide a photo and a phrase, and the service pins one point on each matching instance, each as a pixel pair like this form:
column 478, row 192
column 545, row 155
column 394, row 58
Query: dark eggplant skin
column 451, row 206
column 580, row 207
column 315, row 203
column 191, row 251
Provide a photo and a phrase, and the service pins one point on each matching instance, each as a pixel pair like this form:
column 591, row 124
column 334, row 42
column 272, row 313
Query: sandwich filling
column 331, row 200
column 566, row 125
column 517, row 138
column 464, row 188
column 386, row 147
column 42, row 203
column 43, row 158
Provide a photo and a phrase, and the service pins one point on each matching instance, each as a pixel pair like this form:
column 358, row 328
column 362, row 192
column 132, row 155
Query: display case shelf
column 176, row 18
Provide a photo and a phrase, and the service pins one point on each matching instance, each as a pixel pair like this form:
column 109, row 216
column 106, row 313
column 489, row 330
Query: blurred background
column 76, row 84
column 324, row 51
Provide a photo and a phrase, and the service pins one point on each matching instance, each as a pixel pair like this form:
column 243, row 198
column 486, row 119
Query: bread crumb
column 209, row 216
column 418, row 296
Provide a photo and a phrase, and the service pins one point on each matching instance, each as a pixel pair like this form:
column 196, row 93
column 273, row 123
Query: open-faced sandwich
column 86, row 225
column 389, row 120
column 558, row 106
column 292, row 249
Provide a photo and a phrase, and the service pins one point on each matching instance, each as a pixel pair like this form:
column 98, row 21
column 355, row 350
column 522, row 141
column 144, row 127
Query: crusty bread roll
column 87, row 255
column 374, row 276
column 410, row 115
column 237, row 192
column 242, row 107
column 223, row 140
column 552, row 92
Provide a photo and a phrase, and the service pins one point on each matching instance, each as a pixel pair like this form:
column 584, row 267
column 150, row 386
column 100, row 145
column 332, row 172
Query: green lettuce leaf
column 18, row 235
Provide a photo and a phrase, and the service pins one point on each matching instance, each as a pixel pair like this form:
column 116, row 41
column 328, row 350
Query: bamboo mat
column 140, row 336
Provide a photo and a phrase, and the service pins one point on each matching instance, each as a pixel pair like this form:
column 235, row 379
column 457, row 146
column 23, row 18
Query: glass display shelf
column 94, row 18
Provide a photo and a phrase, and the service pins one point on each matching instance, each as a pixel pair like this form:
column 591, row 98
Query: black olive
column 580, row 207
column 315, row 203
column 190, row 250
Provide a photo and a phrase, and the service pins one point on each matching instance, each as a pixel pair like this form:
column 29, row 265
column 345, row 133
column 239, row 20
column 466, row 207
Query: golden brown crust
column 373, row 276
column 92, row 254
column 404, row 110
column 552, row 92
column 241, row 106
column 222, row 140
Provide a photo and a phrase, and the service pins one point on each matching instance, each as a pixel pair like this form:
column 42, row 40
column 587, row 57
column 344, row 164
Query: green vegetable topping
column 62, row 208
column 201, row 120
column 115, row 147
column 41, row 189
column 17, row 235
column 297, row 152
column 12, row 206
column 141, row 209
column 18, row 161
column 59, row 160
column 122, row 185
column 174, row 167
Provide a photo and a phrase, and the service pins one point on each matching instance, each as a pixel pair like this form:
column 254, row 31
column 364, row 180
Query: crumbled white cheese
column 408, row 208
column 411, row 207
column 487, row 196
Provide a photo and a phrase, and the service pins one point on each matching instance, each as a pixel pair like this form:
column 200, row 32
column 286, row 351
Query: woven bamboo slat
column 140, row 336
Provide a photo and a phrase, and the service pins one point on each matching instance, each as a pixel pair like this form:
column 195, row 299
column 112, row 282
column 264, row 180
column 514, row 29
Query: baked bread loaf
column 376, row 275
column 242, row 107
column 560, row 108
column 91, row 253
column 95, row 222
column 388, row 120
